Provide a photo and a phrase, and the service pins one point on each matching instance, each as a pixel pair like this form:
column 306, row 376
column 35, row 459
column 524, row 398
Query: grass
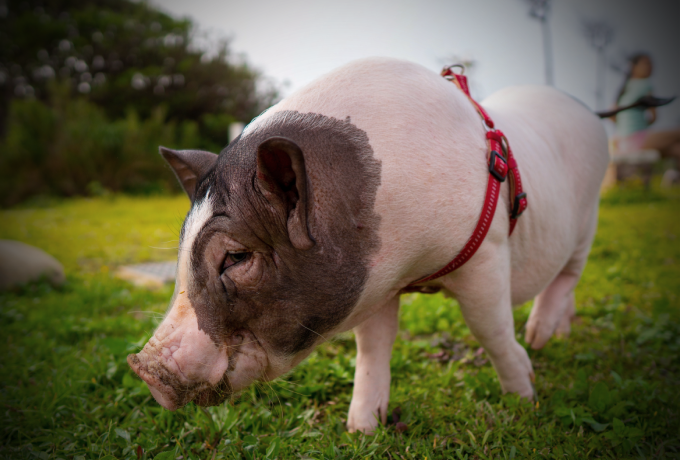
column 609, row 391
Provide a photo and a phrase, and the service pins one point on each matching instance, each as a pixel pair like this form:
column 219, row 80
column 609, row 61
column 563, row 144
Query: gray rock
column 21, row 263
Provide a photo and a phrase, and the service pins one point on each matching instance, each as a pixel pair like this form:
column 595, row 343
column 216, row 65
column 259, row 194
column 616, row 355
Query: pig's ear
column 281, row 172
column 189, row 166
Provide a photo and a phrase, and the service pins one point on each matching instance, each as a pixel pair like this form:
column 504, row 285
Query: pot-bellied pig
column 331, row 203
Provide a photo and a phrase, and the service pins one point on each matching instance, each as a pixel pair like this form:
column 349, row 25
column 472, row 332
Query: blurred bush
column 88, row 90
column 69, row 147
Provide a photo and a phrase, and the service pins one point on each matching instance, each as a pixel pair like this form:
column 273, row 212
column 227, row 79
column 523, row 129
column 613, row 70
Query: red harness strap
column 501, row 164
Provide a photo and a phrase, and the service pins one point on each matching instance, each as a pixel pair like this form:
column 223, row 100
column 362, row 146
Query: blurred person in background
column 632, row 126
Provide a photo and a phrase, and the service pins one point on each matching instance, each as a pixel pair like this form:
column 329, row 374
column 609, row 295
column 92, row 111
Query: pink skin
column 430, row 142
column 375, row 338
column 183, row 350
column 178, row 347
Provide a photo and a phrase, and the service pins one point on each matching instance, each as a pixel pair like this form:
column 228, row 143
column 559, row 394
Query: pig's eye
column 233, row 258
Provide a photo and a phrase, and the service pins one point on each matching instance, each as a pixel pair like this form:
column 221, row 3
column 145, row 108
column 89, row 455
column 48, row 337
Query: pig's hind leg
column 371, row 395
column 554, row 308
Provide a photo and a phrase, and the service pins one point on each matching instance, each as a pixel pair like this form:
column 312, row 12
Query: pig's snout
column 155, row 380
column 174, row 382
column 180, row 366
column 181, row 363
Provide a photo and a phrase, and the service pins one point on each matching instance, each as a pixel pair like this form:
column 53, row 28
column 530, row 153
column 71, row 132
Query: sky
column 293, row 42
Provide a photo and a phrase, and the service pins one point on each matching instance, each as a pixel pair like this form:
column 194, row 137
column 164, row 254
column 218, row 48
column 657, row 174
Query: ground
column 609, row 391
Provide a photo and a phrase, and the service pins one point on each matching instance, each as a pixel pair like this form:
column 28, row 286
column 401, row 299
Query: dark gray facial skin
column 297, row 196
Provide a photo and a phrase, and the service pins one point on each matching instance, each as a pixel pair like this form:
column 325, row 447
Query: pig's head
column 274, row 254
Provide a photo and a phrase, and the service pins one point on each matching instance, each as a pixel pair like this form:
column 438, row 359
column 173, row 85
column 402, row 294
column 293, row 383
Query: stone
column 21, row 263
column 151, row 274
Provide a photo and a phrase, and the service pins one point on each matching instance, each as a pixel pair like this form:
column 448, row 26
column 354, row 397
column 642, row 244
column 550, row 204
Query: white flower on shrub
column 44, row 71
column 139, row 81
column 80, row 66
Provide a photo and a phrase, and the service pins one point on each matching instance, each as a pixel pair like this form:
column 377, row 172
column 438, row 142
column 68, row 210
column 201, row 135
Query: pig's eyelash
column 235, row 258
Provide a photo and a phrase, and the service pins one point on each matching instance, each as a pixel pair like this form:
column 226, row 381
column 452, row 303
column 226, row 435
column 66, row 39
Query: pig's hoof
column 370, row 430
column 515, row 371
column 538, row 332
column 368, row 409
column 365, row 422
column 564, row 326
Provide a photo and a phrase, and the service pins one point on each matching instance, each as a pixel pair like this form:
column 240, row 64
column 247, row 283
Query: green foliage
column 70, row 148
column 124, row 55
column 609, row 391
column 142, row 80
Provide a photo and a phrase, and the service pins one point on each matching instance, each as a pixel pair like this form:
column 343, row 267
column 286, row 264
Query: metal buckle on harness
column 498, row 167
column 519, row 205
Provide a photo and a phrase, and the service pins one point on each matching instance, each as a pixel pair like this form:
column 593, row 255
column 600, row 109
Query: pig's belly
column 562, row 155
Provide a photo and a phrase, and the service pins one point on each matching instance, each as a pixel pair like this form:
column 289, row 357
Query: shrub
column 69, row 147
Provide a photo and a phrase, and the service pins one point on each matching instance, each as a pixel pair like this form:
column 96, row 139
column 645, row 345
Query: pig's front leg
column 375, row 338
column 483, row 292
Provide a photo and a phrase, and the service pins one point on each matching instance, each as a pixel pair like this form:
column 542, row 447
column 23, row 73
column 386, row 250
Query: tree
column 125, row 55
column 540, row 10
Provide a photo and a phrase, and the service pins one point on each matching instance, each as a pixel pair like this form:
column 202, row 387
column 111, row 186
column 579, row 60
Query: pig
column 333, row 201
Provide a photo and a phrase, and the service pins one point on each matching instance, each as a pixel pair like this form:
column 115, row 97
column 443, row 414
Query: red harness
column 501, row 164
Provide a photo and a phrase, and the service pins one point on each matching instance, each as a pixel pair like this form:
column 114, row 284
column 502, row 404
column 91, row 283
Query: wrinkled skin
column 240, row 312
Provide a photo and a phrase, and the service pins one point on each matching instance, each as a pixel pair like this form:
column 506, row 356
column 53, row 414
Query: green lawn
column 610, row 391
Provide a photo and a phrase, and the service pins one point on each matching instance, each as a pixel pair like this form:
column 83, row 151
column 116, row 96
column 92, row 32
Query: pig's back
column 431, row 145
